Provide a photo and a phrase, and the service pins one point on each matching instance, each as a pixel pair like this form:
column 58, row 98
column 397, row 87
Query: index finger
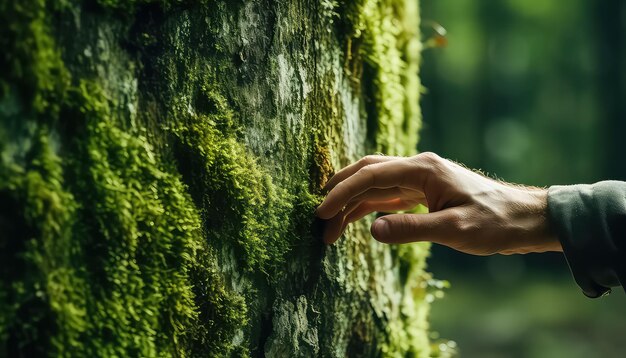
column 395, row 173
column 354, row 167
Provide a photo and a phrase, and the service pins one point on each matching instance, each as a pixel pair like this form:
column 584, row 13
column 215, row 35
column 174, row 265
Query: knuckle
column 458, row 221
column 430, row 163
column 429, row 158
column 368, row 160
column 368, row 173
column 340, row 188
column 365, row 170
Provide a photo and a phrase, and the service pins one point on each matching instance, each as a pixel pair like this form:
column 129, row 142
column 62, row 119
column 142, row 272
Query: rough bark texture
column 160, row 166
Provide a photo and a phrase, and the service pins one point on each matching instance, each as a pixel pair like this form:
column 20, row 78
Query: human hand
column 467, row 211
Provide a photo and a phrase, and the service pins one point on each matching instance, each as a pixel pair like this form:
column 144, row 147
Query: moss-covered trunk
column 160, row 166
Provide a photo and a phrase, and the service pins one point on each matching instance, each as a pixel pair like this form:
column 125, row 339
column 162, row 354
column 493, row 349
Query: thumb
column 403, row 228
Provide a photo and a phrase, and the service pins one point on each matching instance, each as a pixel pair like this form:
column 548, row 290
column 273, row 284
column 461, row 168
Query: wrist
column 533, row 218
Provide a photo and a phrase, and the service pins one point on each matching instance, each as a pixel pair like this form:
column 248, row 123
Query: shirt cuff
column 588, row 220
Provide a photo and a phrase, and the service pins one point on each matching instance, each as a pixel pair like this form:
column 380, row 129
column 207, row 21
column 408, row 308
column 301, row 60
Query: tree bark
column 161, row 163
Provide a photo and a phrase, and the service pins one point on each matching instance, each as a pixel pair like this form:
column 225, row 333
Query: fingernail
column 380, row 228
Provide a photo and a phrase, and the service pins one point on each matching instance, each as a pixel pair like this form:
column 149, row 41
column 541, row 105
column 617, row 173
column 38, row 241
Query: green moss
column 142, row 231
column 410, row 338
column 327, row 133
column 31, row 62
column 146, row 240
column 322, row 168
column 42, row 295
column 40, row 311
column 242, row 206
column 110, row 274
column 383, row 50
column 222, row 313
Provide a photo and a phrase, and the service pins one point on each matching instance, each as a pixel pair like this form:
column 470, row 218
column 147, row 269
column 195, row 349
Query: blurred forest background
column 533, row 92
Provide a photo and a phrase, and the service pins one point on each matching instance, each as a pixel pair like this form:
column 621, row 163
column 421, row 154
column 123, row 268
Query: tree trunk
column 161, row 163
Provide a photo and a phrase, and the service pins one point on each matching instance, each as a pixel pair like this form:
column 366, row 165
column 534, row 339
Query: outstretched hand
column 467, row 211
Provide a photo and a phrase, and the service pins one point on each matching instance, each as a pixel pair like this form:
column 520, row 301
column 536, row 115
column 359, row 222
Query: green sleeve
column 590, row 221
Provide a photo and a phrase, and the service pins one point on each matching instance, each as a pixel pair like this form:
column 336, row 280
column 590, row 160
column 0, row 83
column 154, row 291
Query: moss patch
column 42, row 299
column 383, row 52
column 110, row 274
column 322, row 168
column 30, row 60
column 241, row 204
column 144, row 233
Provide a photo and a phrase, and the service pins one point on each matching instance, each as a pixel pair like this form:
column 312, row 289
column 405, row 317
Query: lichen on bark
column 160, row 165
